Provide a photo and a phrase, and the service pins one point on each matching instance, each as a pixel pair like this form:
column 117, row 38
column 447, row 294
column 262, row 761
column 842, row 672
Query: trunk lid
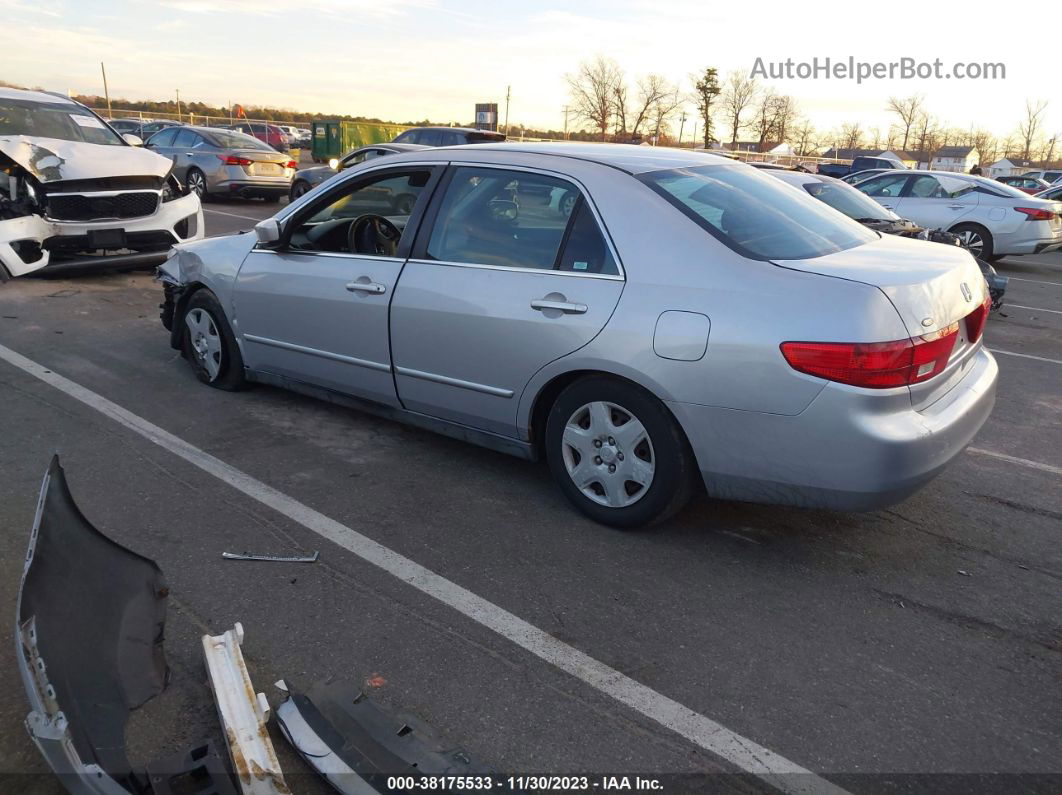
column 931, row 285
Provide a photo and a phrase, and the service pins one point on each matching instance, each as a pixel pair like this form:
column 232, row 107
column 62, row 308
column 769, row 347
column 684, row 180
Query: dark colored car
column 267, row 133
column 1054, row 194
column 448, row 136
column 150, row 128
column 308, row 178
column 839, row 170
column 126, row 126
column 1026, row 184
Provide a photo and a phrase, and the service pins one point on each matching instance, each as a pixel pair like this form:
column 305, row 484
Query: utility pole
column 565, row 122
column 178, row 103
column 682, row 125
column 694, row 138
column 508, row 92
column 106, row 92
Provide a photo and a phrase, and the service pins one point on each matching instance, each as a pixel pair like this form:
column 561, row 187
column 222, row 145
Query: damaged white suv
column 75, row 195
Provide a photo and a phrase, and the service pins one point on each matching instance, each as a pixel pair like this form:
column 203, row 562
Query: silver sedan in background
column 217, row 162
column 690, row 321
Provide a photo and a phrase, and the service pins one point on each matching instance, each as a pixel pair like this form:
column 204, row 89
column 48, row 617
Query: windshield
column 65, row 121
column 230, row 139
column 846, row 199
column 755, row 214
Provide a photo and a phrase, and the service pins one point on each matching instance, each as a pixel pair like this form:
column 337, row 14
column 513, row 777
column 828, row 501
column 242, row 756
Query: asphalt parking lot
column 908, row 649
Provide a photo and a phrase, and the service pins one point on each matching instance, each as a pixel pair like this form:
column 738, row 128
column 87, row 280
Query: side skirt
column 492, row 441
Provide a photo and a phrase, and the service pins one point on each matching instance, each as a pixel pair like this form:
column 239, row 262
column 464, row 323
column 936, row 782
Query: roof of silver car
column 35, row 96
column 627, row 157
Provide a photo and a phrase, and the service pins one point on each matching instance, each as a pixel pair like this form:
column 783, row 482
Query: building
column 955, row 158
column 1008, row 166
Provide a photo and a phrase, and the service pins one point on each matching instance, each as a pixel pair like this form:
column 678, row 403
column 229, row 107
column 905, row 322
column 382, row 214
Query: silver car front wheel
column 608, row 454
column 205, row 342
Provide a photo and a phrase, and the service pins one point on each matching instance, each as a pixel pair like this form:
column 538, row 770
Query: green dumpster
column 333, row 139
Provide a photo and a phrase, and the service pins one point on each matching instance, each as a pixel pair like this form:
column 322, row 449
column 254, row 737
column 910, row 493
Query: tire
column 586, row 426
column 298, row 189
column 976, row 239
column 196, row 182
column 209, row 345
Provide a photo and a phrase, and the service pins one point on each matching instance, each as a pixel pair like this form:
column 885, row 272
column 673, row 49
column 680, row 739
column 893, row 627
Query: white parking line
column 704, row 732
column 1034, row 281
column 1026, row 356
column 1034, row 308
column 231, row 215
column 1025, row 462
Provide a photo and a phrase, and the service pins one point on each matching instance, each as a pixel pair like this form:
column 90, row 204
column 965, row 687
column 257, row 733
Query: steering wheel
column 374, row 234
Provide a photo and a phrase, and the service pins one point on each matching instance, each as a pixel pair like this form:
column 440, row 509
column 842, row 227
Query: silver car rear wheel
column 608, row 454
column 196, row 182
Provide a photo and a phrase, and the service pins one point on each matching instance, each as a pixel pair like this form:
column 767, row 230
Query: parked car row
column 214, row 161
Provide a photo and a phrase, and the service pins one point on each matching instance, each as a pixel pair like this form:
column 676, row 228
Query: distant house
column 955, row 158
column 1008, row 166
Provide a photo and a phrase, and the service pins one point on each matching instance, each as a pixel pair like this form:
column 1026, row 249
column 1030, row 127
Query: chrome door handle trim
column 956, row 206
column 563, row 306
column 366, row 287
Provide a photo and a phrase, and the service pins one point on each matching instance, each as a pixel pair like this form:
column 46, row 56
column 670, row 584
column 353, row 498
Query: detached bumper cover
column 357, row 745
column 89, row 635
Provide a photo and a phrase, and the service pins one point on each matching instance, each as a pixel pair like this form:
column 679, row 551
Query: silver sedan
column 217, row 162
column 687, row 321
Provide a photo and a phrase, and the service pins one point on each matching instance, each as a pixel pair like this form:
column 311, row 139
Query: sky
column 405, row 60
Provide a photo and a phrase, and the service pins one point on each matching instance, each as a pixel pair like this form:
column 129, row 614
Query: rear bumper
column 1026, row 243
column 249, row 189
column 851, row 449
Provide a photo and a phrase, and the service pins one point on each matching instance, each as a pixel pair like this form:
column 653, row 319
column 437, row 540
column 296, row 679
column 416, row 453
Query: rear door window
column 509, row 219
column 185, row 137
column 887, row 185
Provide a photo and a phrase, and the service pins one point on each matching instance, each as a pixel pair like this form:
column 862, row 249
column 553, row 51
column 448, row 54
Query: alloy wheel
column 608, row 454
column 973, row 241
column 197, row 183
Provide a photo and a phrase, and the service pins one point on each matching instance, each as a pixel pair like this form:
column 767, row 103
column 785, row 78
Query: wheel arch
column 545, row 395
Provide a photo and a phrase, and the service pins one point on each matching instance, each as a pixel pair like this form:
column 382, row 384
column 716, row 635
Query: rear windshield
column 65, row 121
column 755, row 214
column 230, row 139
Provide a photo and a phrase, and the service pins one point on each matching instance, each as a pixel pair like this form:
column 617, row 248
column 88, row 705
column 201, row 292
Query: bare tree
column 593, row 92
column 851, row 135
column 739, row 92
column 663, row 110
column 909, row 110
column 775, row 114
column 706, row 90
column 805, row 139
column 652, row 91
column 1029, row 128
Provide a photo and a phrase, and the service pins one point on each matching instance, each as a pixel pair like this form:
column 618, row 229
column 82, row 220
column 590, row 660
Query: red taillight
column 232, row 160
column 1036, row 213
column 875, row 365
column 291, row 164
column 975, row 321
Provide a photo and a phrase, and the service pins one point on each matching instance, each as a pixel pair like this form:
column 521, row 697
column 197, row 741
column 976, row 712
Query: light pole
column 106, row 93
column 682, row 125
column 178, row 103
column 508, row 92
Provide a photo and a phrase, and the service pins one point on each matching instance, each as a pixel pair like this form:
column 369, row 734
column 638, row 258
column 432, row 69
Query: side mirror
column 132, row 140
column 268, row 231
